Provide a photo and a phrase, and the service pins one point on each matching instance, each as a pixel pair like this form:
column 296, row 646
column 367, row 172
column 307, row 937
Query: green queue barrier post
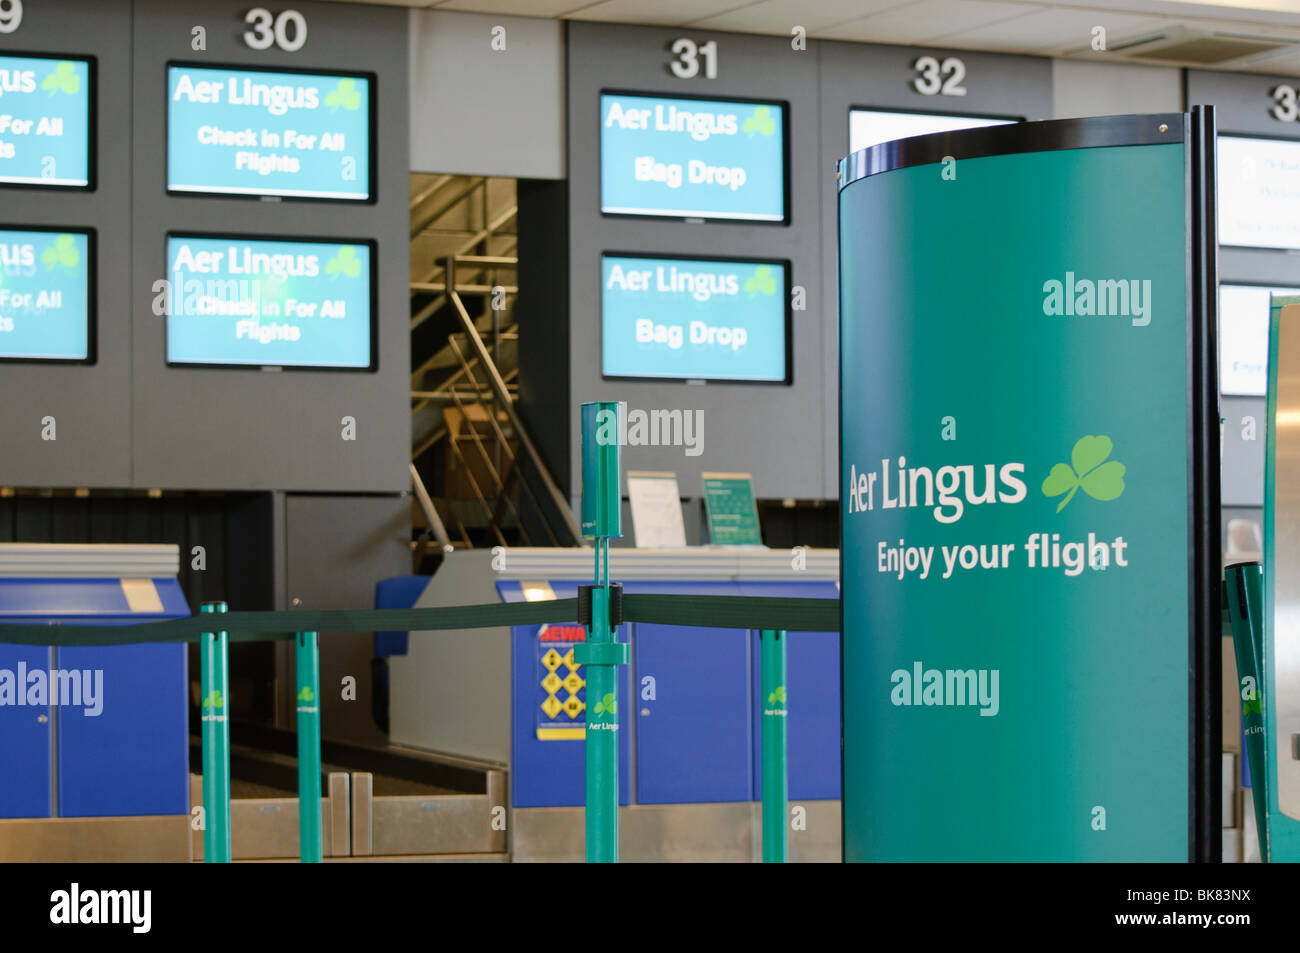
column 307, row 658
column 214, row 685
column 1244, row 585
column 600, row 610
column 776, row 841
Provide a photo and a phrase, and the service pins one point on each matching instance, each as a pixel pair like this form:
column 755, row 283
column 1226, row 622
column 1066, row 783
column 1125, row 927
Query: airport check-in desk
column 102, row 774
column 688, row 703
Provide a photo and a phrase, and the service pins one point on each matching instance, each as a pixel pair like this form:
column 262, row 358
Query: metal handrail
column 430, row 514
column 472, row 269
column 508, row 405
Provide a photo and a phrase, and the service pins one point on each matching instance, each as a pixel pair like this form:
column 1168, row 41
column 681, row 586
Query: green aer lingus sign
column 1016, row 505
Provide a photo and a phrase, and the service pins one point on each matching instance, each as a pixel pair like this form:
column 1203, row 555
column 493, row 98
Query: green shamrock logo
column 345, row 262
column 345, row 94
column 1088, row 468
column 306, row 695
column 777, row 695
column 1254, row 706
column 761, row 282
column 607, row 705
column 62, row 252
column 63, row 78
column 214, row 700
column 761, row 122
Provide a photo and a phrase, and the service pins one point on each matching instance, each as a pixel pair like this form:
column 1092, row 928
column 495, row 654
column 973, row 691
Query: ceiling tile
column 1288, row 65
column 1238, row 26
column 778, row 16
column 1245, row 11
column 521, row 8
column 922, row 21
column 1054, row 30
column 660, row 11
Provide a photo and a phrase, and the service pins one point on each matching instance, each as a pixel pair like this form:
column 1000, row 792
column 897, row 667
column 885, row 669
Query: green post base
column 599, row 659
column 214, row 681
column 776, row 838
column 307, row 657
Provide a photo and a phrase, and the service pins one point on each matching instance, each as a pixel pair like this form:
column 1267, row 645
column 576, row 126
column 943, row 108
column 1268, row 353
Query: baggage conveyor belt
column 376, row 802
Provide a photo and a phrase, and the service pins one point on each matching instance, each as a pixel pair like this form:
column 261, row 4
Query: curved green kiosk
column 1029, row 494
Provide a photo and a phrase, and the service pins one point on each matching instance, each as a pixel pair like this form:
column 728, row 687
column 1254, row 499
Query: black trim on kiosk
column 1206, row 837
column 1199, row 135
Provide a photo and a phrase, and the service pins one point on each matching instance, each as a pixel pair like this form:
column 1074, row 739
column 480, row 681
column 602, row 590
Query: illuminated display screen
column 692, row 158
column 46, row 109
column 259, row 302
column 257, row 132
column 869, row 127
column 1259, row 192
column 695, row 319
column 1243, row 338
column 46, row 295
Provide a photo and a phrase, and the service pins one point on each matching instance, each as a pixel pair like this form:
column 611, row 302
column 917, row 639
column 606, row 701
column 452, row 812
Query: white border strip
column 291, row 193
column 666, row 213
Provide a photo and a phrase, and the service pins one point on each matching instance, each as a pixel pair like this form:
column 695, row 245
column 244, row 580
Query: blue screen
column 692, row 158
column 250, row 132
column 45, row 295
column 260, row 302
column 44, row 121
column 693, row 319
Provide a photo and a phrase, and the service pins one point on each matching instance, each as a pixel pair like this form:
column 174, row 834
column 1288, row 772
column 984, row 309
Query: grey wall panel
column 90, row 404
column 1086, row 88
column 857, row 74
column 1244, row 422
column 769, row 430
column 1259, row 266
column 1243, row 101
column 208, row 428
column 337, row 548
column 483, row 111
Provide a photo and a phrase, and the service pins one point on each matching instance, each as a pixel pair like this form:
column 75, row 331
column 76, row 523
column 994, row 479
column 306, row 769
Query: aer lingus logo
column 345, row 262
column 607, row 705
column 306, row 695
column 777, row 695
column 213, row 701
column 62, row 252
column 1088, row 469
column 345, row 94
column 63, row 79
column 761, row 122
column 761, row 281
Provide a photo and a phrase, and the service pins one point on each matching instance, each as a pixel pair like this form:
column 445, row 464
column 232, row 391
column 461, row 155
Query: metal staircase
column 478, row 477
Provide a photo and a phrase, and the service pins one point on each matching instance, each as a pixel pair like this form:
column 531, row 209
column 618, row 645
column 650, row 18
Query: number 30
column 267, row 30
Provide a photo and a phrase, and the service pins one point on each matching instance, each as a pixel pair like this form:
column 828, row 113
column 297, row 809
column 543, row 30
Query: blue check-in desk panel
column 688, row 708
column 111, row 722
